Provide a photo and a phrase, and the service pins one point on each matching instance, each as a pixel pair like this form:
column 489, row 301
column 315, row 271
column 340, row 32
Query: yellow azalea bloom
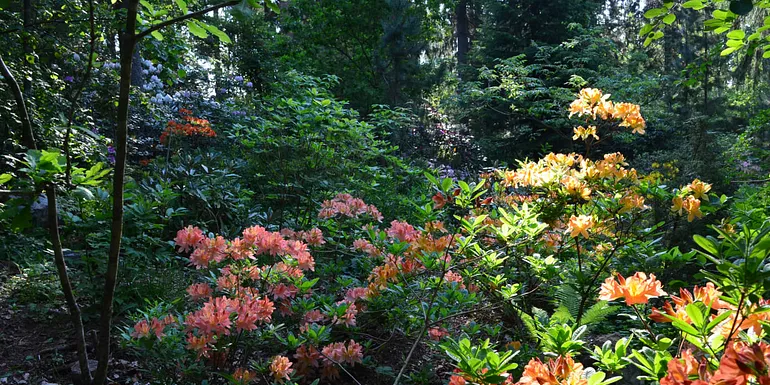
column 692, row 206
column 631, row 202
column 579, row 225
column 604, row 109
column 699, row 189
column 677, row 205
column 592, row 95
column 574, row 186
column 583, row 132
column 623, row 110
column 579, row 107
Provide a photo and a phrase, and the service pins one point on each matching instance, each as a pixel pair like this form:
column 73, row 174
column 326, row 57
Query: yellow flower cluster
column 689, row 199
column 592, row 102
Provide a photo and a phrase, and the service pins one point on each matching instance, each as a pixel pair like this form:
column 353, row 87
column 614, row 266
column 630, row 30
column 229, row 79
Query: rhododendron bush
column 320, row 303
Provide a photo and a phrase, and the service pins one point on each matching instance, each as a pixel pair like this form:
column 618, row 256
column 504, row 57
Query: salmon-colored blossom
column 579, row 225
column 188, row 238
column 636, row 289
column 560, row 371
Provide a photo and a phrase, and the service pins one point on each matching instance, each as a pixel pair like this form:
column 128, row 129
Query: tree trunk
column 26, row 15
column 127, row 45
column 61, row 267
column 463, row 34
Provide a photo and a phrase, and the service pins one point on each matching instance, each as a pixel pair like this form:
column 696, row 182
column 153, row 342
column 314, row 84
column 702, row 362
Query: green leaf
column 197, row 30
column 720, row 14
column 669, row 19
column 766, row 55
column 706, row 244
column 716, row 321
column 736, row 34
column 728, row 51
column 655, row 12
column 683, row 326
column 273, row 5
column 4, row 178
column 695, row 312
column 694, row 4
column 182, row 5
column 157, row 35
column 217, row 32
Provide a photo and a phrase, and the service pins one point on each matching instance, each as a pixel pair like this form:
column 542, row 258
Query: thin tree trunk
column 69, row 296
column 27, row 136
column 127, row 45
column 463, row 34
column 26, row 14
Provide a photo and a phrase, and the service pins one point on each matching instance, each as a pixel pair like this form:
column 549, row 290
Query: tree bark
column 463, row 34
column 26, row 15
column 69, row 296
column 127, row 45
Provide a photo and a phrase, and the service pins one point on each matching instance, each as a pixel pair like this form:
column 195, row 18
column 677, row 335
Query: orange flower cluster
column 709, row 295
column 741, row 364
column 636, row 289
column 689, row 199
column 190, row 126
column 243, row 376
column 560, row 371
column 281, row 369
column 591, row 102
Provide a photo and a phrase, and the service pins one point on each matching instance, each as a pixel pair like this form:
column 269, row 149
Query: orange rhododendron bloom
column 243, row 376
column 636, row 289
column 561, row 371
column 692, row 206
column 280, row 368
column 681, row 371
column 579, row 225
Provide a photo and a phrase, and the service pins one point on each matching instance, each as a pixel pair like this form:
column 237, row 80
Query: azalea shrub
column 319, row 302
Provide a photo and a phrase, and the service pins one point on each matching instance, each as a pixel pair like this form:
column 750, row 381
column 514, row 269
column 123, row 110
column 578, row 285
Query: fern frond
column 567, row 296
column 598, row 313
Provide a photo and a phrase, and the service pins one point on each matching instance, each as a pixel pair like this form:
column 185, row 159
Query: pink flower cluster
column 214, row 318
column 366, row 247
column 256, row 241
column 313, row 237
column 402, row 231
column 344, row 205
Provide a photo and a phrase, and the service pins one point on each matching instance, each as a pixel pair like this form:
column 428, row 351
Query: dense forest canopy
column 465, row 192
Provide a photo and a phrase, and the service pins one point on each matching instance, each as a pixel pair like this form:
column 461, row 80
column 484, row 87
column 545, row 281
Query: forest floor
column 36, row 344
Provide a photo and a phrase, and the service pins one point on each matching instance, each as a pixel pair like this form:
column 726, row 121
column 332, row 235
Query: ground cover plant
column 384, row 192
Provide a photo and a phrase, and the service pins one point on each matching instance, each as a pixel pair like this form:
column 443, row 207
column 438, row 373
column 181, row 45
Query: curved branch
column 27, row 136
column 175, row 20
